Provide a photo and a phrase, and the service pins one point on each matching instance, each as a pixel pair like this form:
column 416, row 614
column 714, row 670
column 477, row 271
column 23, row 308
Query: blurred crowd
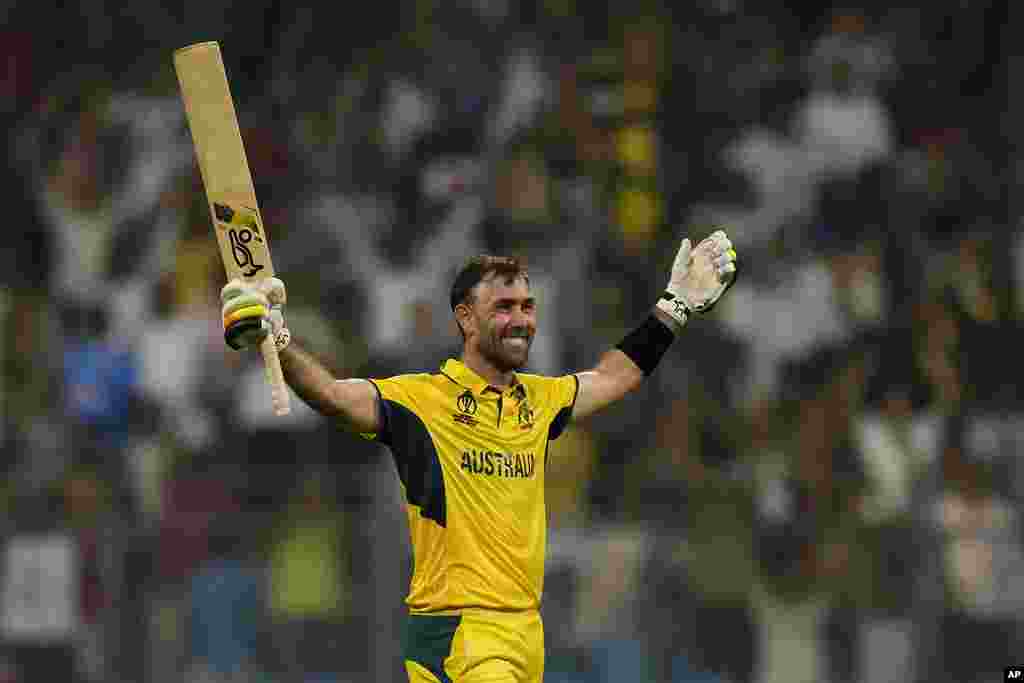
column 821, row 482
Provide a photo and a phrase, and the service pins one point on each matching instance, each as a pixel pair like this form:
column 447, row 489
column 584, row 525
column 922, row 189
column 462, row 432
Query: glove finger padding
column 277, row 296
column 245, row 311
column 246, row 332
column 273, row 289
column 682, row 263
column 245, row 305
column 712, row 272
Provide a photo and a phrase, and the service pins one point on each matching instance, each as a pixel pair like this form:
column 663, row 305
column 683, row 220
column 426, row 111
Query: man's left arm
column 700, row 276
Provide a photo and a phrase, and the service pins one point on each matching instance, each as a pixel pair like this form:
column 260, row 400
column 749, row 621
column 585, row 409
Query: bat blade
column 230, row 194
column 222, row 161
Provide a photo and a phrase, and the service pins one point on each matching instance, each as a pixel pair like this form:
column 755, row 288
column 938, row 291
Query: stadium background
column 822, row 483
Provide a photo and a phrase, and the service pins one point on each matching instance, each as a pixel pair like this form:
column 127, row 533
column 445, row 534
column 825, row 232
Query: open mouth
column 517, row 342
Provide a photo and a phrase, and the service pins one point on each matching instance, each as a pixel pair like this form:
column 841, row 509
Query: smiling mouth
column 518, row 342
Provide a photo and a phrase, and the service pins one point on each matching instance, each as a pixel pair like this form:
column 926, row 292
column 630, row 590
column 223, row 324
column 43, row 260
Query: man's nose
column 521, row 318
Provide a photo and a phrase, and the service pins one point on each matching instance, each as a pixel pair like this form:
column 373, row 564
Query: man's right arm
column 251, row 311
column 353, row 402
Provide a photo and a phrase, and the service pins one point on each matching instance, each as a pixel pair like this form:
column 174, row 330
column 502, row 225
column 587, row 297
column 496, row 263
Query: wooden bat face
column 213, row 122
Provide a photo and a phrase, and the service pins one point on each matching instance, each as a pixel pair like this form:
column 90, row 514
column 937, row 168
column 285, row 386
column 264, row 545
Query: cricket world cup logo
column 467, row 403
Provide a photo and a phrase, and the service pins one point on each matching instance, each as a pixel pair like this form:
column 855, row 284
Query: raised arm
column 616, row 374
column 699, row 277
column 251, row 311
column 353, row 402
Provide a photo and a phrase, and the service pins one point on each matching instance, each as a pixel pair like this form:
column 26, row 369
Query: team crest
column 525, row 415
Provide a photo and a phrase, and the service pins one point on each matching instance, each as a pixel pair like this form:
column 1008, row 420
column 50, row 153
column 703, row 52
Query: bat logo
column 243, row 255
column 240, row 237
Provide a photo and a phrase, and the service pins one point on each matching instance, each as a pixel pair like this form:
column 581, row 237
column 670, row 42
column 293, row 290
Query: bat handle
column 275, row 377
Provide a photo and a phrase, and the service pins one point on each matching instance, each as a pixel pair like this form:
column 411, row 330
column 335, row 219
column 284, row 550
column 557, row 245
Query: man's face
column 502, row 321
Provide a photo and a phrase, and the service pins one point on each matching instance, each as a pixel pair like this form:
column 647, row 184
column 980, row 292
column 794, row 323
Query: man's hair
column 478, row 269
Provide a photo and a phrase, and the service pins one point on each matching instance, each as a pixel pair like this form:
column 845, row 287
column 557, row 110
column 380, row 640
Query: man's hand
column 700, row 276
column 251, row 311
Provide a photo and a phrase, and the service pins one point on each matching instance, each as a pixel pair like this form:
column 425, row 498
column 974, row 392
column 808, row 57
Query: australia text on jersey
column 505, row 465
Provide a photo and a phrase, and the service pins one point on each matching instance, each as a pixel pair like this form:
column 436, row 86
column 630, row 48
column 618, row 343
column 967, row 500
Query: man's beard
column 507, row 356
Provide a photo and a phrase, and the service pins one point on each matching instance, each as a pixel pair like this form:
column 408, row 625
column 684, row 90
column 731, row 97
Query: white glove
column 252, row 310
column 699, row 277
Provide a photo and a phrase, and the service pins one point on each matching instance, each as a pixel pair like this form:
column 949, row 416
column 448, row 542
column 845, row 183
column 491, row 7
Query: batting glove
column 699, row 277
column 252, row 310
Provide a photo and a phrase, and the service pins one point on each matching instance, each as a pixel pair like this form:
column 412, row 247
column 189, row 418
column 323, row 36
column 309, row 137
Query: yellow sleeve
column 391, row 389
column 562, row 392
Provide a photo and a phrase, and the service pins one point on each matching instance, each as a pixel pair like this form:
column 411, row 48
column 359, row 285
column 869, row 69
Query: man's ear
column 463, row 316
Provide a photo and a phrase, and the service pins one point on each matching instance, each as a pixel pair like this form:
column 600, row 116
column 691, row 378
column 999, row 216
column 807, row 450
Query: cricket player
column 470, row 444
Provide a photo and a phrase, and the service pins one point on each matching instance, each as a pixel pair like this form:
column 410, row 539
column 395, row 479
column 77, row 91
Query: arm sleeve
column 390, row 391
column 407, row 437
column 563, row 397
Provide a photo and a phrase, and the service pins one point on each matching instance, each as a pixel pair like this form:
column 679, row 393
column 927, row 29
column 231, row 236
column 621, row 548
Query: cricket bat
column 229, row 189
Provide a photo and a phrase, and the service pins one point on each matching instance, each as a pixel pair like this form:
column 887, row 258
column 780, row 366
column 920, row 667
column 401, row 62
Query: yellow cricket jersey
column 471, row 460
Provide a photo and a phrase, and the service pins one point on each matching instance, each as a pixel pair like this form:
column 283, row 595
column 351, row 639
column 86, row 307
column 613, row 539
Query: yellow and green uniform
column 471, row 460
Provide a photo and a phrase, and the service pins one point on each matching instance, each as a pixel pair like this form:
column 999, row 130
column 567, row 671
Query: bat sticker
column 240, row 237
column 225, row 214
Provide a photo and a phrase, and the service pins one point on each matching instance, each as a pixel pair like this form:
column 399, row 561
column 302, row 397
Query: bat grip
column 275, row 377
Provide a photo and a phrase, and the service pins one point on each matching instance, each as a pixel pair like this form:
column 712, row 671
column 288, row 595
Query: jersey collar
column 458, row 372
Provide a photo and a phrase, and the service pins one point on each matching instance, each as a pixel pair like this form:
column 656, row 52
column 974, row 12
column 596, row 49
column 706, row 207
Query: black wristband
column 647, row 344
